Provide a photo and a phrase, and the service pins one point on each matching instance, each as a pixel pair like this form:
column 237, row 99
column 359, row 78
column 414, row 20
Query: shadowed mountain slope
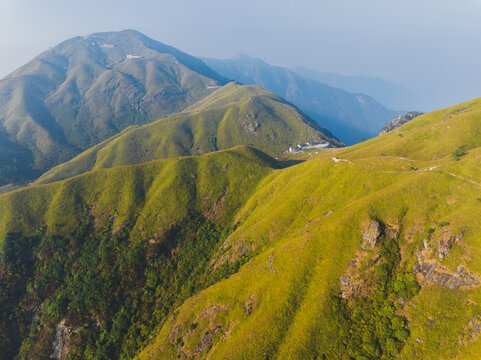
column 392, row 95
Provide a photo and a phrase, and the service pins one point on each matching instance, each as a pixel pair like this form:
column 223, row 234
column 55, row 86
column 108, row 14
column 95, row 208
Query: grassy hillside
column 314, row 286
column 87, row 89
column 368, row 252
column 233, row 115
column 146, row 230
column 432, row 136
column 194, row 182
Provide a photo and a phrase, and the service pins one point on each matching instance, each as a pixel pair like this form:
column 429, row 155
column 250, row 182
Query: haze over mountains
column 87, row 89
column 392, row 95
column 351, row 116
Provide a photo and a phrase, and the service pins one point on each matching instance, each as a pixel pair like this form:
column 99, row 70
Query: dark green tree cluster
column 369, row 327
column 459, row 152
column 113, row 293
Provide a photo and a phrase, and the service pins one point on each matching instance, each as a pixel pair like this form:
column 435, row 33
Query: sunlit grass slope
column 233, row 115
column 431, row 136
column 307, row 280
column 130, row 240
column 154, row 195
column 301, row 230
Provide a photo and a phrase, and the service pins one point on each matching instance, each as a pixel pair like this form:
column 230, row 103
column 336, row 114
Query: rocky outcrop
column 444, row 240
column 231, row 251
column 472, row 331
column 399, row 121
column 196, row 340
column 353, row 282
column 430, row 271
column 251, row 125
column 371, row 230
column 62, row 339
column 251, row 304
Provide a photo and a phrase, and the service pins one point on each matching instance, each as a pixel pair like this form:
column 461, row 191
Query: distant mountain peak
column 88, row 88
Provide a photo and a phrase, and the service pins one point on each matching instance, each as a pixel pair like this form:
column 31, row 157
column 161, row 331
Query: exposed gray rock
column 251, row 125
column 174, row 333
column 475, row 324
column 399, row 121
column 434, row 273
column 346, row 287
column 446, row 242
column 205, row 343
column 345, row 280
column 270, row 265
column 472, row 331
column 371, row 231
column 61, row 342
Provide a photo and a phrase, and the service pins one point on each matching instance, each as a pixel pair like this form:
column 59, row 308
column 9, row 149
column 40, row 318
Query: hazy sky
column 432, row 46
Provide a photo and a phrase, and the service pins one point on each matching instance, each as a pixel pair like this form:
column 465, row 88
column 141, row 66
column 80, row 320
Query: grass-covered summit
column 233, row 115
column 87, row 89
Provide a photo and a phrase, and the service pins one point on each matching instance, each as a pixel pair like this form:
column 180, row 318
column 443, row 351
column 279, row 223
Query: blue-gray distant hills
column 87, row 89
column 351, row 117
column 391, row 95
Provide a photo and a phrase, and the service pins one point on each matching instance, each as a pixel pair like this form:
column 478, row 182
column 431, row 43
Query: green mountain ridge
column 233, row 115
column 369, row 254
column 351, row 116
column 365, row 252
column 159, row 200
column 86, row 90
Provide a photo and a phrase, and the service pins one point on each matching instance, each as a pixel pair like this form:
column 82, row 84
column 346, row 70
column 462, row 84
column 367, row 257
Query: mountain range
column 233, row 115
column 360, row 252
column 87, row 89
column 351, row 117
column 231, row 225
